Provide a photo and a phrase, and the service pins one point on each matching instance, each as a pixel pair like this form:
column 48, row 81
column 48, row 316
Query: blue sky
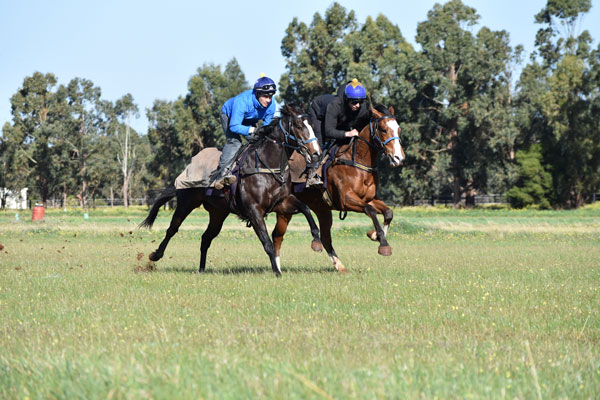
column 151, row 48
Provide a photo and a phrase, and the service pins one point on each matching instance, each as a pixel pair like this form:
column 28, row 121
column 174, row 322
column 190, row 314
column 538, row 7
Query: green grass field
column 472, row 304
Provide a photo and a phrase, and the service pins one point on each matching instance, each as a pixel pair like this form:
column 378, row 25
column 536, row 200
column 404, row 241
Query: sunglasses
column 354, row 102
column 268, row 87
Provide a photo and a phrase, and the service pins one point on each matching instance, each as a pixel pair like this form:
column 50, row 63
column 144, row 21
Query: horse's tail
column 164, row 197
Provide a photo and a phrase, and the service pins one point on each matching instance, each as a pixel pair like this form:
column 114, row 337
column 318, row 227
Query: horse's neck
column 366, row 153
column 270, row 152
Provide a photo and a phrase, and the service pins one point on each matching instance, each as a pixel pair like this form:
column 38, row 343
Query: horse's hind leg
column 185, row 205
column 283, row 221
column 217, row 216
column 292, row 205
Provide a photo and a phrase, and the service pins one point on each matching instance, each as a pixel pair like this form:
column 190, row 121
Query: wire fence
column 448, row 200
column 488, row 199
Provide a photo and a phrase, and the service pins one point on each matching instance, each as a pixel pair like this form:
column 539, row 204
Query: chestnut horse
column 352, row 182
column 264, row 186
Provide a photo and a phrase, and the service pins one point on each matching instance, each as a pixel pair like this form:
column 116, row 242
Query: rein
column 284, row 165
column 379, row 146
column 301, row 144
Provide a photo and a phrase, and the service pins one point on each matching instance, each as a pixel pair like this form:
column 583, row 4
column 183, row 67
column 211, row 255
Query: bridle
column 301, row 144
column 373, row 133
column 378, row 146
column 290, row 141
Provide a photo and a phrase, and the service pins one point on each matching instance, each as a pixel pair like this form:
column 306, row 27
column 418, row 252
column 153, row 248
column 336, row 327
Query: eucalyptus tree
column 38, row 110
column 169, row 155
column 124, row 109
column 463, row 83
column 558, row 102
column 81, row 135
column 14, row 161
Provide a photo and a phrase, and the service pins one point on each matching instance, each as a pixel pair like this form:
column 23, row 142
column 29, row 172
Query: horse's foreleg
column 325, row 222
column 183, row 209
column 354, row 203
column 283, row 221
column 388, row 215
column 260, row 228
column 217, row 216
column 384, row 247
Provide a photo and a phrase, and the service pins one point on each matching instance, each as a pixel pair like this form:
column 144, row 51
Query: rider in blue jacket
column 239, row 117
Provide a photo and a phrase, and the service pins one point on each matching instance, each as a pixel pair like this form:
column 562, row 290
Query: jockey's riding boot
column 314, row 182
column 229, row 179
column 226, row 179
column 220, row 183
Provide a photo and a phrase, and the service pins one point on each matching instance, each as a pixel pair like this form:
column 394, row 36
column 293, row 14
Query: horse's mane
column 382, row 109
column 287, row 110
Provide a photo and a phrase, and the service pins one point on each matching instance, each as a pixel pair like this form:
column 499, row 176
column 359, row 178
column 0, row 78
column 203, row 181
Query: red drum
column 38, row 213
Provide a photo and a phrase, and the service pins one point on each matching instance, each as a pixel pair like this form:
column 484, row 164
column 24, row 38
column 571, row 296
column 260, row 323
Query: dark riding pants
column 232, row 145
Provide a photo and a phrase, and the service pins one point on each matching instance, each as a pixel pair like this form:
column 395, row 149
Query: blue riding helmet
column 264, row 85
column 355, row 90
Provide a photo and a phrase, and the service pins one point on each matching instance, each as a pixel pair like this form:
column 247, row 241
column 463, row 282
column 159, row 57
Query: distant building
column 13, row 200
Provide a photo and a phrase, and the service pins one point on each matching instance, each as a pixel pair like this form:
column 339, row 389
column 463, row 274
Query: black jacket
column 339, row 118
column 316, row 113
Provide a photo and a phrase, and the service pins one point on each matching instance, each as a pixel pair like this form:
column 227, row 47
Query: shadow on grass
column 244, row 269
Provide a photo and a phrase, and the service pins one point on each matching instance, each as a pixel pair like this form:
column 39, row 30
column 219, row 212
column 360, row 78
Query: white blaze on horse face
column 314, row 144
column 398, row 153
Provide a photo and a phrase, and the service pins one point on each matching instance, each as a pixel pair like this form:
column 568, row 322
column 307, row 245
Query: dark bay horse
column 352, row 181
column 264, row 186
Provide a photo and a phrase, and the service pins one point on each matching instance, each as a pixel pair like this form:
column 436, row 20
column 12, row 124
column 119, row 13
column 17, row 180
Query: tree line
column 469, row 125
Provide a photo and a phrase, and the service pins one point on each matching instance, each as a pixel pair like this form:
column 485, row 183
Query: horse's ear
column 391, row 110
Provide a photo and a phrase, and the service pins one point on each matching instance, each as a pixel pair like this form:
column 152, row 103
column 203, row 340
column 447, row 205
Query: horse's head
column 386, row 133
column 294, row 123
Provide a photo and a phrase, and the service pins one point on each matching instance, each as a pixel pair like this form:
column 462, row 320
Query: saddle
column 199, row 172
column 298, row 168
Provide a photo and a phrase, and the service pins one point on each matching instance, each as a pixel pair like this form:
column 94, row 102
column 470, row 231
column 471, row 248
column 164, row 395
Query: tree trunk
column 125, row 165
column 470, row 199
column 112, row 197
column 125, row 188
column 453, row 144
column 453, row 149
column 83, row 195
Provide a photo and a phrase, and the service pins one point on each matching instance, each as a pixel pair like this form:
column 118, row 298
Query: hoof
column 372, row 234
column 385, row 250
column 317, row 246
column 152, row 257
column 339, row 267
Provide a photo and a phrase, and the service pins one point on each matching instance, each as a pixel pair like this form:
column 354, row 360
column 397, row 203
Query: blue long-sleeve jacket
column 244, row 110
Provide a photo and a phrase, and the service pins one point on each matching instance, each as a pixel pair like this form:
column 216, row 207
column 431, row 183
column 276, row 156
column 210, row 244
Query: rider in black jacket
column 345, row 115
